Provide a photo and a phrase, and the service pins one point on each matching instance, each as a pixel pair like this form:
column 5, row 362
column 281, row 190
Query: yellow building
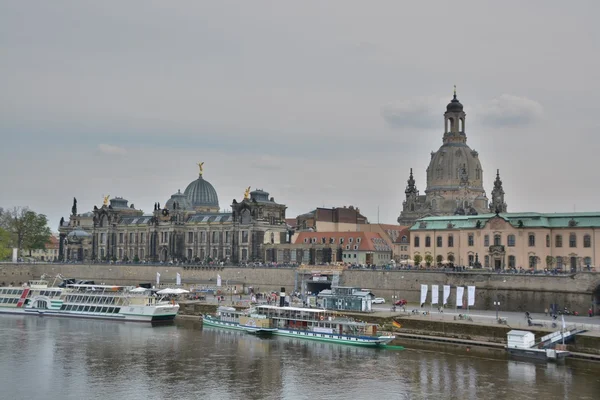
column 510, row 240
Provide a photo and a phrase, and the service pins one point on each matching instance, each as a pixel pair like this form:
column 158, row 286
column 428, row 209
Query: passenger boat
column 322, row 325
column 241, row 320
column 108, row 302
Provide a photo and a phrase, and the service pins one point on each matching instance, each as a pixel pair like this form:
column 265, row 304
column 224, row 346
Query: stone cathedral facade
column 454, row 177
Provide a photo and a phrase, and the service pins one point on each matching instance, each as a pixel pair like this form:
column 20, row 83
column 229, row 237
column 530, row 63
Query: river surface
column 54, row 358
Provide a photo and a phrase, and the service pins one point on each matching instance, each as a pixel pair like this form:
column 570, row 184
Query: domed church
column 454, row 177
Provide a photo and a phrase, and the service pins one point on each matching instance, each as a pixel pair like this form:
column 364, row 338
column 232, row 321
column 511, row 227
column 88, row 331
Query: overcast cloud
column 319, row 103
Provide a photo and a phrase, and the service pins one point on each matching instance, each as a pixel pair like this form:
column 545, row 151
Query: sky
column 318, row 103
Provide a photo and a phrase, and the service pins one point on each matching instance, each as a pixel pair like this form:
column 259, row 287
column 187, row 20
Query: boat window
column 63, row 307
column 86, row 308
column 104, row 309
column 116, row 310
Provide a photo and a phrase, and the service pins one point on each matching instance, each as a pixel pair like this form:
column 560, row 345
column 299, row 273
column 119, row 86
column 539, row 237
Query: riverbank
column 449, row 332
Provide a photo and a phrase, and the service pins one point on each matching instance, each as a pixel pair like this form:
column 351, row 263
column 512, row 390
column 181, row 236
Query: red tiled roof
column 291, row 222
column 367, row 241
column 52, row 243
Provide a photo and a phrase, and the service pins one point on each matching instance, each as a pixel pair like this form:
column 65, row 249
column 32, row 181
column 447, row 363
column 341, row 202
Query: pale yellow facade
column 510, row 241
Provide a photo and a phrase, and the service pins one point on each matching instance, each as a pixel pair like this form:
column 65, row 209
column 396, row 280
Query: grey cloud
column 111, row 150
column 509, row 110
column 419, row 112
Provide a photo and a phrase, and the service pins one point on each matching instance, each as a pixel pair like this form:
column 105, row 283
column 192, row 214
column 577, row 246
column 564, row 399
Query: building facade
column 189, row 228
column 454, row 177
column 336, row 219
column 566, row 241
column 354, row 248
column 48, row 253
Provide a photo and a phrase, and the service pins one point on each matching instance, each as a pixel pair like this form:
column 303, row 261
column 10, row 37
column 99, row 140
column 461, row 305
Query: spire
column 498, row 205
column 455, row 93
column 411, row 187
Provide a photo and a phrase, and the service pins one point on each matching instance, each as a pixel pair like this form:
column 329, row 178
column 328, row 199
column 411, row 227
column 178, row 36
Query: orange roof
column 366, row 241
column 52, row 243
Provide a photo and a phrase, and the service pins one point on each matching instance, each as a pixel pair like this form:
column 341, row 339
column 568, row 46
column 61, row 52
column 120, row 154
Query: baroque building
column 566, row 241
column 189, row 228
column 454, row 177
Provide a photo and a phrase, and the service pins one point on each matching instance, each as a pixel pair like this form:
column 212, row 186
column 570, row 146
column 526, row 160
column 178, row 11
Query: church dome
column 181, row 200
column 454, row 165
column 454, row 105
column 201, row 194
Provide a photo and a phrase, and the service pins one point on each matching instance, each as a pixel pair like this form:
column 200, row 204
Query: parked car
column 401, row 302
column 378, row 300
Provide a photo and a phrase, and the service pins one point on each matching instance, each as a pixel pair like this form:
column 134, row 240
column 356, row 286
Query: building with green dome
column 189, row 227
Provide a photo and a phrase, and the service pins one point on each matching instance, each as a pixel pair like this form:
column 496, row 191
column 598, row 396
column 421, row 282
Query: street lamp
column 497, row 304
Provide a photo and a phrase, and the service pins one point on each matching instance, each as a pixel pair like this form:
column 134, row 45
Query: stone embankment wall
column 515, row 292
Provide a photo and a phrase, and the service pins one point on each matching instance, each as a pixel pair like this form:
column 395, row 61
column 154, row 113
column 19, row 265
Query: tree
column 27, row 229
column 550, row 261
column 4, row 244
column 418, row 259
column 428, row 259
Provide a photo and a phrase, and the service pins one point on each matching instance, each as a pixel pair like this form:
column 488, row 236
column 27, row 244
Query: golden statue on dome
column 105, row 202
column 247, row 193
column 200, row 165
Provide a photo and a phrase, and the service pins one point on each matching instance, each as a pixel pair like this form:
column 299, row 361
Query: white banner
column 460, row 291
column 15, row 255
column 423, row 294
column 157, row 278
column 470, row 295
column 435, row 292
column 446, row 294
column 178, row 281
column 219, row 280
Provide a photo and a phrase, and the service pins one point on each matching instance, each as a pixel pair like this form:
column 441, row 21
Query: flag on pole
column 396, row 324
column 178, row 279
column 157, row 278
column 471, row 295
column 446, row 294
column 564, row 326
column 460, row 291
column 423, row 294
column 219, row 280
column 435, row 292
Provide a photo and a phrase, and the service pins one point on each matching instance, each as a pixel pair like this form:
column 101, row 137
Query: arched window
column 572, row 240
column 417, row 241
column 587, row 241
column 558, row 241
column 450, row 241
column 471, row 260
column 427, row 241
column 438, row 241
column 451, row 258
column 531, row 240
column 510, row 241
column 461, row 125
column 439, row 259
column 497, row 240
column 404, row 239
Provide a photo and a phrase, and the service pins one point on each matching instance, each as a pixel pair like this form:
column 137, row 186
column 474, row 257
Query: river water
column 54, row 358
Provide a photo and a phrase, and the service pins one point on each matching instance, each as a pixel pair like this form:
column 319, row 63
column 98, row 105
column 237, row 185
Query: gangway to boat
column 551, row 339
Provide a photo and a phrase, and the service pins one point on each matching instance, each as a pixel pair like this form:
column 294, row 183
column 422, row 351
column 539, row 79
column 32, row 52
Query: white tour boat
column 120, row 303
column 241, row 320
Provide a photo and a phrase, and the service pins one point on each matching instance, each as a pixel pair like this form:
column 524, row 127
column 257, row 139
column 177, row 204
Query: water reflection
column 49, row 358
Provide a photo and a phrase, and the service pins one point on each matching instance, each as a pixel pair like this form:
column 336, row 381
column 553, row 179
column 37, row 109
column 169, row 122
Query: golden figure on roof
column 200, row 164
column 247, row 193
column 105, row 202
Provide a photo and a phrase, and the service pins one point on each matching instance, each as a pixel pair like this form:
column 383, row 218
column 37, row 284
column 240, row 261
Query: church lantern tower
column 498, row 205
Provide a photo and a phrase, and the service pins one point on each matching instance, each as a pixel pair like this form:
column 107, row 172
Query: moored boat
column 323, row 325
column 87, row 301
column 241, row 320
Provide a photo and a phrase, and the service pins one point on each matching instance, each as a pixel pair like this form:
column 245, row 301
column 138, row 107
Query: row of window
column 13, row 300
column 164, row 237
column 510, row 240
column 92, row 309
column 331, row 240
column 91, row 299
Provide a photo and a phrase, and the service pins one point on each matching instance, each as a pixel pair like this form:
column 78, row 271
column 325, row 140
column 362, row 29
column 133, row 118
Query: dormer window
column 341, row 240
column 305, row 240
column 314, row 240
column 347, row 247
column 357, row 240
column 355, row 247
column 331, row 240
column 349, row 240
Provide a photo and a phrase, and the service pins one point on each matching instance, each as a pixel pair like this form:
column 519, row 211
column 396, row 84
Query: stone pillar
column 61, row 246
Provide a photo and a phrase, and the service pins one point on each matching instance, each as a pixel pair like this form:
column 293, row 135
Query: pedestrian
column 546, row 311
column 590, row 312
